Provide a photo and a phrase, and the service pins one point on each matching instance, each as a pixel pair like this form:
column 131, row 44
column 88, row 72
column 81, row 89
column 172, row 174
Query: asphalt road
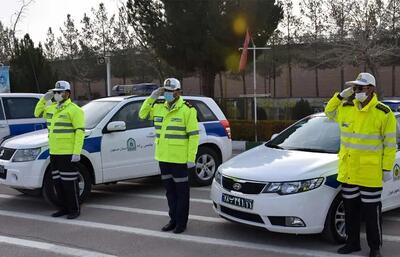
column 125, row 220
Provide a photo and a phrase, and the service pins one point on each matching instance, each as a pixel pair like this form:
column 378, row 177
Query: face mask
column 58, row 98
column 361, row 96
column 169, row 96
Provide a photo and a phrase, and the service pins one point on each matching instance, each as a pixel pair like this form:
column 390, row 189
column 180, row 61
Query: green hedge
column 243, row 130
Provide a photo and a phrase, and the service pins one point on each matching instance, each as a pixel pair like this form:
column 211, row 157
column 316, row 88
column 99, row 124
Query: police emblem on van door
column 131, row 144
column 396, row 172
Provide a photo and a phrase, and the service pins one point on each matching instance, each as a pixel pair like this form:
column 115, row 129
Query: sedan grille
column 245, row 187
column 6, row 153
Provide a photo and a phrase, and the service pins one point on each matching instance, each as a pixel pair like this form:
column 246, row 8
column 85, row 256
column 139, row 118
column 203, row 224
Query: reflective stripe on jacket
column 177, row 130
column 367, row 141
column 65, row 124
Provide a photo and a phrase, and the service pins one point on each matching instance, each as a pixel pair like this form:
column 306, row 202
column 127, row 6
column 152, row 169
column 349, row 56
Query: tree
column 30, row 72
column 340, row 19
column 314, row 25
column 198, row 35
column 103, row 30
column 50, row 47
column 392, row 16
column 69, row 39
column 291, row 25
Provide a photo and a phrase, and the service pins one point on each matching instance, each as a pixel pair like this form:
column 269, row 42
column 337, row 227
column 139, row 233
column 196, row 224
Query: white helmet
column 172, row 84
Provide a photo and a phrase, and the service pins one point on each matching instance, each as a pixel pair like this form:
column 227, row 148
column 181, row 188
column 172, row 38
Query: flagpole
column 254, row 48
column 254, row 90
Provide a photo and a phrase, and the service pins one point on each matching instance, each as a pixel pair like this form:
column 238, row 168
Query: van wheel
column 335, row 231
column 207, row 162
column 84, row 182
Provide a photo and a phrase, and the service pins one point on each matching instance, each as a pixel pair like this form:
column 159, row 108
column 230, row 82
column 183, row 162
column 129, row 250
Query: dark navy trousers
column 175, row 178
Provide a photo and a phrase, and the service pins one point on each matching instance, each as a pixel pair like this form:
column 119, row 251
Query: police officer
column 65, row 123
column 176, row 143
column 366, row 157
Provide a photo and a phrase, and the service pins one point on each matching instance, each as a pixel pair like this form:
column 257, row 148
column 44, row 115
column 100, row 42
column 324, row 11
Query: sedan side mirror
column 116, row 126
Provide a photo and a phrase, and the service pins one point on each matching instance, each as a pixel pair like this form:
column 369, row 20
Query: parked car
column 394, row 104
column 118, row 146
column 16, row 114
column 289, row 184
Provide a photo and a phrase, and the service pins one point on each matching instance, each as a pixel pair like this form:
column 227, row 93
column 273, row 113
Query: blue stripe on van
column 331, row 181
column 92, row 145
column 215, row 129
column 18, row 129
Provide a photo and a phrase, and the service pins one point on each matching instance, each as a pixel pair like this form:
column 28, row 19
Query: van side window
column 1, row 112
column 203, row 111
column 129, row 113
column 19, row 107
column 398, row 132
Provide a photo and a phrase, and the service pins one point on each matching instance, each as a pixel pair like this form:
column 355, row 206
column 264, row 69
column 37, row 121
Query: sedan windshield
column 312, row 134
column 95, row 111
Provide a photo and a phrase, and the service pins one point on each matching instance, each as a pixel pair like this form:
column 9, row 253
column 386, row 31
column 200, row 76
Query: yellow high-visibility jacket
column 65, row 124
column 177, row 130
column 367, row 141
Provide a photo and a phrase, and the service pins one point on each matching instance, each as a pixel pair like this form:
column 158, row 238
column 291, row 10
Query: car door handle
column 3, row 126
column 151, row 135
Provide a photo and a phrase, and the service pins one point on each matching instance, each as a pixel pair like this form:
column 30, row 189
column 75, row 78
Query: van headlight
column 293, row 187
column 25, row 155
column 218, row 177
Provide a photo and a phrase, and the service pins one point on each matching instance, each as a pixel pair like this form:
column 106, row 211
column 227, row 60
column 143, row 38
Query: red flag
column 243, row 57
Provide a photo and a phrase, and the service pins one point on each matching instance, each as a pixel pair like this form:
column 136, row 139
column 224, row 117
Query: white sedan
column 289, row 185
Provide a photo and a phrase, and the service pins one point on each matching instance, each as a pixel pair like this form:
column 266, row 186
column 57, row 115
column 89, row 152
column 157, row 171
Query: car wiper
column 274, row 146
column 311, row 150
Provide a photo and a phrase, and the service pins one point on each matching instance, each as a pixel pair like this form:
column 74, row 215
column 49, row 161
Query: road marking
column 391, row 218
column 205, row 189
column 187, row 238
column 151, row 212
column 135, row 210
column 153, row 196
column 48, row 247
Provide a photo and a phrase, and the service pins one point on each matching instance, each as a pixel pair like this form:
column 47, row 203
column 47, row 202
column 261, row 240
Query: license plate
column 3, row 172
column 238, row 201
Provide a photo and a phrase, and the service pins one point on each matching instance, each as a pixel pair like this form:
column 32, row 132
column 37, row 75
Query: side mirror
column 274, row 135
column 116, row 126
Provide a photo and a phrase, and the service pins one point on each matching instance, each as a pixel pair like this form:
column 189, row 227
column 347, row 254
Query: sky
column 43, row 14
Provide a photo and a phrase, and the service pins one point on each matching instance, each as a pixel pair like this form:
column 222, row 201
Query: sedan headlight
column 293, row 187
column 218, row 177
column 25, row 155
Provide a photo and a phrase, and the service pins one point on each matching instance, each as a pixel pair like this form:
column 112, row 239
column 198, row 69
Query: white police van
column 118, row 146
column 16, row 114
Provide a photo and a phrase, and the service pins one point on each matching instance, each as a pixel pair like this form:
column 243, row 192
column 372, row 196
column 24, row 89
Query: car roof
column 137, row 97
column 391, row 101
column 20, row 95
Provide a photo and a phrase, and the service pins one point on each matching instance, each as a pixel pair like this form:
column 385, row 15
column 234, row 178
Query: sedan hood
column 276, row 165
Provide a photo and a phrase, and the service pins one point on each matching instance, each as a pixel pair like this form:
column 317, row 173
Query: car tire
column 207, row 163
column 30, row 192
column 85, row 186
column 334, row 230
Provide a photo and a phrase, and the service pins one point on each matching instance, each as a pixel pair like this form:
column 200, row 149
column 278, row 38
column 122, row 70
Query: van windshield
column 95, row 111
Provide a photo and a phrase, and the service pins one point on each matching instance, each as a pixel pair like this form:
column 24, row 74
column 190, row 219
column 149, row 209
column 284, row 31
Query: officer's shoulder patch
column 159, row 101
column 382, row 107
column 189, row 104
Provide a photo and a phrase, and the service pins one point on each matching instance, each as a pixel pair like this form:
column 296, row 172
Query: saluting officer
column 176, row 143
column 66, row 128
column 366, row 157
